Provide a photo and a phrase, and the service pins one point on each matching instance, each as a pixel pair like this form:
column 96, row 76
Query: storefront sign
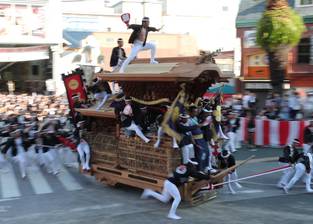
column 257, row 85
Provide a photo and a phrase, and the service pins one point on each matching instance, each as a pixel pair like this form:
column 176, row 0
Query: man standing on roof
column 118, row 55
column 139, row 40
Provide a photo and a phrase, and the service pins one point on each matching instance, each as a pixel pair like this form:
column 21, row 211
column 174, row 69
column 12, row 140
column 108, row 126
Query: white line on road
column 8, row 183
column 68, row 181
column 250, row 191
column 38, row 182
column 95, row 207
column 4, row 208
column 8, row 199
column 60, row 212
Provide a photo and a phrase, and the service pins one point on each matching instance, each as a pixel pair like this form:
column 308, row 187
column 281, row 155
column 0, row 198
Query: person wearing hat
column 49, row 153
column 5, row 135
column 290, row 156
column 232, row 125
column 303, row 169
column 83, row 147
column 118, row 55
column 207, row 119
column 139, row 40
column 102, row 93
column 130, row 118
column 76, row 105
column 160, row 132
column 171, row 185
column 308, row 138
column 227, row 160
column 202, row 151
column 187, row 143
column 16, row 144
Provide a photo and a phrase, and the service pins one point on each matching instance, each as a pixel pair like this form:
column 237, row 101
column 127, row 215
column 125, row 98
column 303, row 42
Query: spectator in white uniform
column 290, row 156
column 303, row 169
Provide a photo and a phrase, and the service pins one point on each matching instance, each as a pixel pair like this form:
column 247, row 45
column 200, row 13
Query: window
column 118, row 9
column 35, row 70
column 304, row 51
column 225, row 8
column 306, row 2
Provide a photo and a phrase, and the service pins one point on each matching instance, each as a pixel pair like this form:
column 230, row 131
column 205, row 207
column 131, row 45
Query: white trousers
column 300, row 172
column 116, row 68
column 40, row 158
column 135, row 128
column 160, row 134
column 306, row 148
column 188, row 153
column 169, row 191
column 50, row 161
column 137, row 46
column 238, row 140
column 67, row 156
column 231, row 177
column 32, row 156
column 212, row 158
column 231, row 145
column 2, row 161
column 287, row 174
column 21, row 160
column 104, row 99
column 83, row 150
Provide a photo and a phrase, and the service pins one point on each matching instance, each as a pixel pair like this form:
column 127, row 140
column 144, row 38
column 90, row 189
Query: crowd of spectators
column 29, row 105
column 289, row 106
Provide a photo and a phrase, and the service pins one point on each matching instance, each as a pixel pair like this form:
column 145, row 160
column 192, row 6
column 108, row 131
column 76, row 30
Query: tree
column 279, row 29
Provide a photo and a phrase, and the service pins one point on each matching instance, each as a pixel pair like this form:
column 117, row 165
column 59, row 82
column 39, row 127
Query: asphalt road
column 73, row 198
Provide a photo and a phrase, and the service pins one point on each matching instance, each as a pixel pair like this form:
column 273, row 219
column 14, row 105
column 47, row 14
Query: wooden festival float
column 119, row 159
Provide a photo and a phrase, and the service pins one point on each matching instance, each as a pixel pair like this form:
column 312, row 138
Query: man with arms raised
column 139, row 40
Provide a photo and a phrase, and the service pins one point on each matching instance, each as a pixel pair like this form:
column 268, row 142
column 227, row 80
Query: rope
column 275, row 170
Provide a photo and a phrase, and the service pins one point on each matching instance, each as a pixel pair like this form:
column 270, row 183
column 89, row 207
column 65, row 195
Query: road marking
column 8, row 199
column 68, row 181
column 38, row 182
column 95, row 207
column 250, row 191
column 8, row 183
column 4, row 208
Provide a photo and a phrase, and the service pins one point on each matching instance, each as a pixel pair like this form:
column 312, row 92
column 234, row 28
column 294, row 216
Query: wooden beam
column 96, row 113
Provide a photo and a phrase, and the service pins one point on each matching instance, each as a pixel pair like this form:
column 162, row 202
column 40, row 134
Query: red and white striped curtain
column 272, row 132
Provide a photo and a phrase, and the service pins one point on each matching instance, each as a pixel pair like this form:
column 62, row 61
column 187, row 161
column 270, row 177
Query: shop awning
column 222, row 88
column 75, row 37
column 18, row 54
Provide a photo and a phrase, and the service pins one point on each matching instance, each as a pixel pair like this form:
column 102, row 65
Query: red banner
column 74, row 86
column 273, row 132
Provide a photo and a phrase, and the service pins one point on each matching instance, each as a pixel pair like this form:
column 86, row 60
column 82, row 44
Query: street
column 71, row 197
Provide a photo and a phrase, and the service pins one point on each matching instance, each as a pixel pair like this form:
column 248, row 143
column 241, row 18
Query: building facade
column 254, row 62
column 28, row 32
column 200, row 18
column 187, row 28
